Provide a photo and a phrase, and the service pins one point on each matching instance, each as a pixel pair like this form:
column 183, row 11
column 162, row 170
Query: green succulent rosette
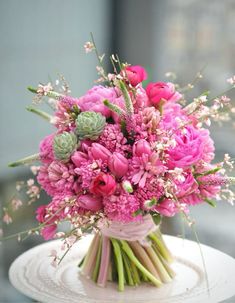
column 64, row 145
column 89, row 125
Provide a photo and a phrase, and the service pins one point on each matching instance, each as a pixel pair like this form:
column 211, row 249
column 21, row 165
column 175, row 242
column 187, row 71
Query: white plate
column 32, row 274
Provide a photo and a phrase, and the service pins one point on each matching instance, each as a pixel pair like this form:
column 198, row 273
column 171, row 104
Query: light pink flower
column 94, row 98
column 118, row 164
column 162, row 91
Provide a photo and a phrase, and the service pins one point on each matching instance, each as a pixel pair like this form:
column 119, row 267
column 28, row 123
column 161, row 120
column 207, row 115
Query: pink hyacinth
column 46, row 149
column 121, row 208
column 86, row 172
column 113, row 139
column 57, row 177
column 93, row 100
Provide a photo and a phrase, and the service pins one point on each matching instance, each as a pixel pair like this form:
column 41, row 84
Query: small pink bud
column 118, row 164
column 99, row 152
column 90, row 203
column 141, row 147
column 78, row 157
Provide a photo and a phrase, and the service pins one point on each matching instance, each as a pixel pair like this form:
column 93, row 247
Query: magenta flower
column 48, row 232
column 162, row 91
column 118, row 164
column 90, row 203
column 135, row 74
column 103, row 185
column 167, row 208
column 99, row 152
column 186, row 186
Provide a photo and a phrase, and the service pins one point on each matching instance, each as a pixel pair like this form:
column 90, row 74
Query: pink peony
column 46, row 149
column 118, row 164
column 189, row 149
column 135, row 74
column 90, row 203
column 93, row 100
column 103, row 185
column 162, row 91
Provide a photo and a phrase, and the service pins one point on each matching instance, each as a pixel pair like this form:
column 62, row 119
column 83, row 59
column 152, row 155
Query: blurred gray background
column 39, row 39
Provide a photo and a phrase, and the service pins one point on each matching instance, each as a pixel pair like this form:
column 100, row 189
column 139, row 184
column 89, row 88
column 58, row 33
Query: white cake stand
column 32, row 274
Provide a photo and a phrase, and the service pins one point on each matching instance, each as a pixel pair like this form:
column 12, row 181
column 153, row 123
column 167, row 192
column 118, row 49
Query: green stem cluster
column 128, row 262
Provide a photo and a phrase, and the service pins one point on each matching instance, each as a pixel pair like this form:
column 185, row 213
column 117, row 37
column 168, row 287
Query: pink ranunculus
column 141, row 147
column 93, row 100
column 90, row 203
column 189, row 149
column 46, row 149
column 99, row 152
column 118, row 164
column 78, row 157
column 48, row 232
column 162, row 91
column 103, row 185
column 135, row 74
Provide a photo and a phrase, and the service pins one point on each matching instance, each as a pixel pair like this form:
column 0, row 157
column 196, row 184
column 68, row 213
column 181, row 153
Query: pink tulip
column 78, row 157
column 99, row 152
column 118, row 164
column 141, row 147
column 90, row 203
column 103, row 185
column 162, row 91
column 135, row 74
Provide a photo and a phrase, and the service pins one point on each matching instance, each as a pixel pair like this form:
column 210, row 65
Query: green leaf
column 137, row 212
column 210, row 202
column 156, row 218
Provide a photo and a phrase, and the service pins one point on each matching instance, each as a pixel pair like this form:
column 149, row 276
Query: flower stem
column 127, row 268
column 119, row 260
column 128, row 102
column 133, row 258
column 114, row 108
column 39, row 112
column 158, row 241
column 104, row 263
column 26, row 160
column 89, row 262
column 164, row 276
column 97, row 263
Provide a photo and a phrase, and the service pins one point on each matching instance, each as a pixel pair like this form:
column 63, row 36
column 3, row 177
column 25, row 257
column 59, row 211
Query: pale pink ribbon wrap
column 133, row 231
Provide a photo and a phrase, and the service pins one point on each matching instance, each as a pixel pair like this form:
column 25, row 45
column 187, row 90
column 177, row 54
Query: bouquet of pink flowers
column 122, row 157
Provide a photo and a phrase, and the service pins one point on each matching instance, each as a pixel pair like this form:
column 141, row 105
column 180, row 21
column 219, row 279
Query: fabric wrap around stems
column 132, row 231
